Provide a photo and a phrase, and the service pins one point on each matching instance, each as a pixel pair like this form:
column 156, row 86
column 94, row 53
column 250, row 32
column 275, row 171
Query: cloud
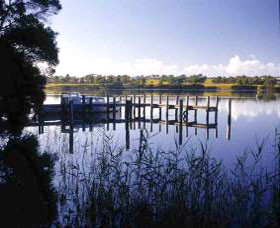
column 236, row 66
column 80, row 66
column 145, row 66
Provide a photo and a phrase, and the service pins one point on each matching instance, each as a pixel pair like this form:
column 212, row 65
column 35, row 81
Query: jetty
column 142, row 112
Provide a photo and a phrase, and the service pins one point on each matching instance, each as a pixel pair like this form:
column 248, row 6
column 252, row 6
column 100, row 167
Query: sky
column 143, row 37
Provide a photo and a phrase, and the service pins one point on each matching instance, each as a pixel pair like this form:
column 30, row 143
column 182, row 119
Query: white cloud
column 235, row 66
column 144, row 66
column 79, row 66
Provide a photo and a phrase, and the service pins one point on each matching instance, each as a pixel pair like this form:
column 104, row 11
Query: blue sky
column 214, row 37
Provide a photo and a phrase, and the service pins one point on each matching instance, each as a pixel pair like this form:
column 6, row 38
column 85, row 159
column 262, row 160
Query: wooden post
column 114, row 113
column 167, row 106
column 108, row 100
column 139, row 112
column 151, row 108
column 139, row 108
column 71, row 112
column 128, row 107
column 217, row 102
column 187, row 109
column 127, row 136
column 180, row 134
column 195, row 111
column 166, row 124
column 181, row 122
column 114, row 108
column 144, row 108
column 141, row 141
column 90, row 104
column 229, row 121
column 181, row 111
column 128, row 111
column 83, row 99
column 151, row 113
column 177, row 100
column 207, row 110
column 208, row 102
column 84, row 111
column 167, row 116
column 134, row 102
column 196, row 100
column 216, row 111
column 71, row 137
column 160, row 99
column 207, row 118
column 176, row 109
column 90, row 126
column 71, row 140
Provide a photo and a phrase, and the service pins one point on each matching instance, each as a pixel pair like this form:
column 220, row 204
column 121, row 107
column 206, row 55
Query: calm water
column 252, row 121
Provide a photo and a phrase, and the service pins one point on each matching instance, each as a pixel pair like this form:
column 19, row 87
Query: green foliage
column 245, row 80
column 194, row 79
column 27, row 196
column 25, row 42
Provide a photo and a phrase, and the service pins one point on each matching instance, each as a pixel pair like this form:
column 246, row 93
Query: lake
column 251, row 122
column 113, row 171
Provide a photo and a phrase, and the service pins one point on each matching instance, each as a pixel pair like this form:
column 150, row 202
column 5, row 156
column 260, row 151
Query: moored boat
column 92, row 103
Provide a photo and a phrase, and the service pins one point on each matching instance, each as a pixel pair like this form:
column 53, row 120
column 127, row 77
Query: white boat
column 71, row 96
column 99, row 104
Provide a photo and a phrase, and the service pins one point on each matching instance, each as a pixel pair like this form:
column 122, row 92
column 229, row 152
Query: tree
column 27, row 195
column 25, row 42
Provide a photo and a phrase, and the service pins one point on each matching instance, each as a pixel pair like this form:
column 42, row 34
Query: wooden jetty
column 112, row 104
column 135, row 108
column 138, row 111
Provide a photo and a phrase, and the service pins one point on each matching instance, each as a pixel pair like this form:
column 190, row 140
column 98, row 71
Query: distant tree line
column 126, row 79
column 245, row 80
column 159, row 80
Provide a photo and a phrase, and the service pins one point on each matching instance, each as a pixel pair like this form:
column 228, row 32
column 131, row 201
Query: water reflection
column 235, row 131
column 87, row 173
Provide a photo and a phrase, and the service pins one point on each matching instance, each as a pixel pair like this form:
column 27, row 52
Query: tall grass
column 157, row 188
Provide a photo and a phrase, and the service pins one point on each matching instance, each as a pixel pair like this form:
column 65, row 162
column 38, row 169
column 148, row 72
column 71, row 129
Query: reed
column 110, row 187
